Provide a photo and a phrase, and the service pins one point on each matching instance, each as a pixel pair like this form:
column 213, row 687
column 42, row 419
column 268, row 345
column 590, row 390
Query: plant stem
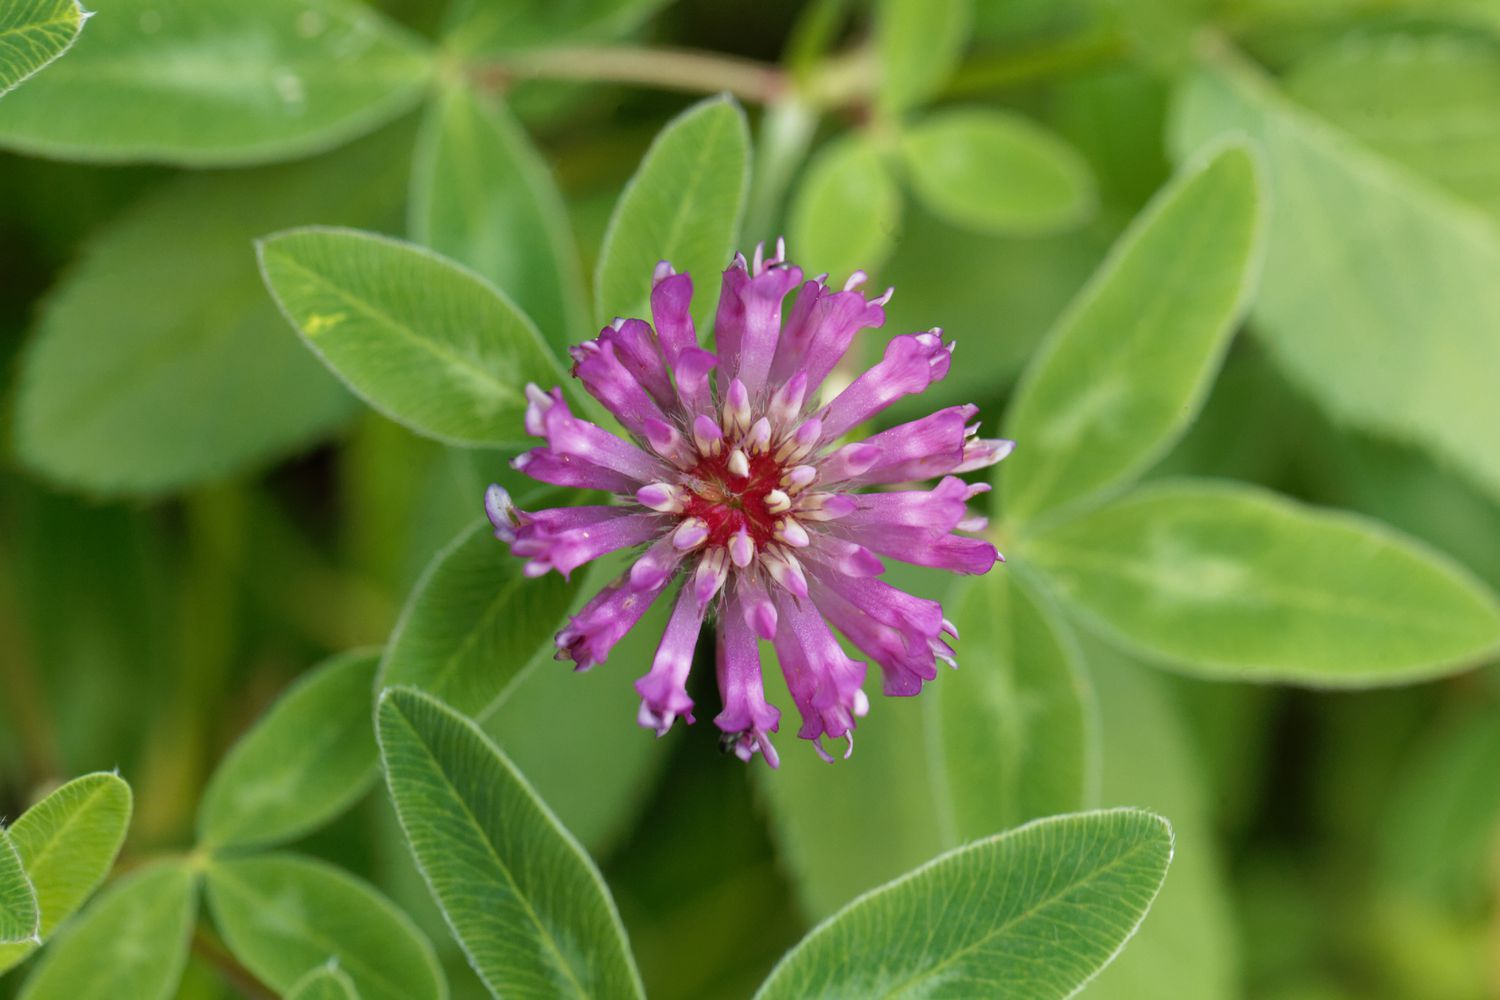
column 235, row 974
column 669, row 69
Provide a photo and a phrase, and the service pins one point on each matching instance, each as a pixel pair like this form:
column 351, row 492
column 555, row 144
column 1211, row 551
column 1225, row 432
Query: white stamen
column 690, row 534
column 707, row 436
column 736, row 408
column 855, row 280
column 792, row 533
column 785, row 570
column 759, row 438
column 741, row 548
column 713, row 570
column 664, row 498
column 778, row 502
column 738, row 463
column 799, row 478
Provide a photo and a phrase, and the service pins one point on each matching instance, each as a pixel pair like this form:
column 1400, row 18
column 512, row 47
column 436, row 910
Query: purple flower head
column 734, row 487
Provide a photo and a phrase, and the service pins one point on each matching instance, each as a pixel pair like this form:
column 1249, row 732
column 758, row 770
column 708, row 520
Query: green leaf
column 20, row 920
column 1378, row 296
column 1422, row 100
column 283, row 915
column 159, row 360
column 1032, row 914
column 1231, row 581
column 307, row 759
column 1128, row 366
column 67, row 843
column 931, row 771
column 847, row 213
column 683, row 205
column 217, row 82
column 917, row 45
column 131, row 942
column 1188, row 947
column 32, row 34
column 996, row 171
column 524, row 900
column 1015, row 724
column 473, row 623
column 425, row 342
column 476, row 26
column 326, row 983
column 482, row 195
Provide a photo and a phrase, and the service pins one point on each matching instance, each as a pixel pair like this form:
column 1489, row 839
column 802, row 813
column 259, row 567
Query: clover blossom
column 734, row 481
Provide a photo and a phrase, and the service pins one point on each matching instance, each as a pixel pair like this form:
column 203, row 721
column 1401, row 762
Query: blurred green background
column 209, row 513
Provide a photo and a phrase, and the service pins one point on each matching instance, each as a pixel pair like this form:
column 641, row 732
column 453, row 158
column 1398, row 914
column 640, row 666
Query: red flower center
column 727, row 502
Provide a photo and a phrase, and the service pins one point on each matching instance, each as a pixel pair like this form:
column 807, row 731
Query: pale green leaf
column 683, row 205
column 1426, row 101
column 524, row 900
column 1188, row 947
column 1015, row 724
column 327, row 983
column 1232, row 581
column 996, row 171
column 32, row 34
column 483, row 26
column 419, row 338
column 20, row 919
column 160, row 361
column 917, row 45
column 1379, row 295
column 304, row 762
column 1032, row 914
column 283, row 915
column 482, row 195
column 217, row 82
column 131, row 942
column 473, row 622
column 847, row 212
column 1128, row 366
column 67, row 843
column 930, row 771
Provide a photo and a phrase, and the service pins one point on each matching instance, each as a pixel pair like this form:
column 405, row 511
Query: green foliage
column 283, row 916
column 326, row 983
column 217, row 82
column 486, row 26
column 1033, row 914
column 131, row 942
column 683, row 205
column 149, row 368
column 32, row 34
column 1234, row 582
column 19, row 916
column 1127, row 368
column 423, row 341
column 917, row 46
column 473, row 623
column 524, row 900
column 848, row 209
column 482, row 195
column 304, row 762
column 997, row 172
column 66, row 844
column 1346, row 325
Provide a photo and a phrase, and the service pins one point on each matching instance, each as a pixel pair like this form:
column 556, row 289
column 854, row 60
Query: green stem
column 669, row 69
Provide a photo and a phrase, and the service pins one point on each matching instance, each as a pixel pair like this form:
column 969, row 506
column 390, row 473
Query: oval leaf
column 217, row 82
column 1232, row 581
column 32, row 34
column 159, row 361
column 307, row 759
column 1017, row 734
column 131, row 942
column 473, row 622
column 20, row 919
column 284, row 915
column 327, row 983
column 482, row 195
column 528, row 906
column 683, row 205
column 848, row 210
column 419, row 338
column 67, row 843
column 1032, row 914
column 997, row 172
column 918, row 43
column 1126, row 369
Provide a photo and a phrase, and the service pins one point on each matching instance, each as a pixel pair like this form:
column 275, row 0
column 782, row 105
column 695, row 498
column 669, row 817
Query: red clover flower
column 734, row 481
